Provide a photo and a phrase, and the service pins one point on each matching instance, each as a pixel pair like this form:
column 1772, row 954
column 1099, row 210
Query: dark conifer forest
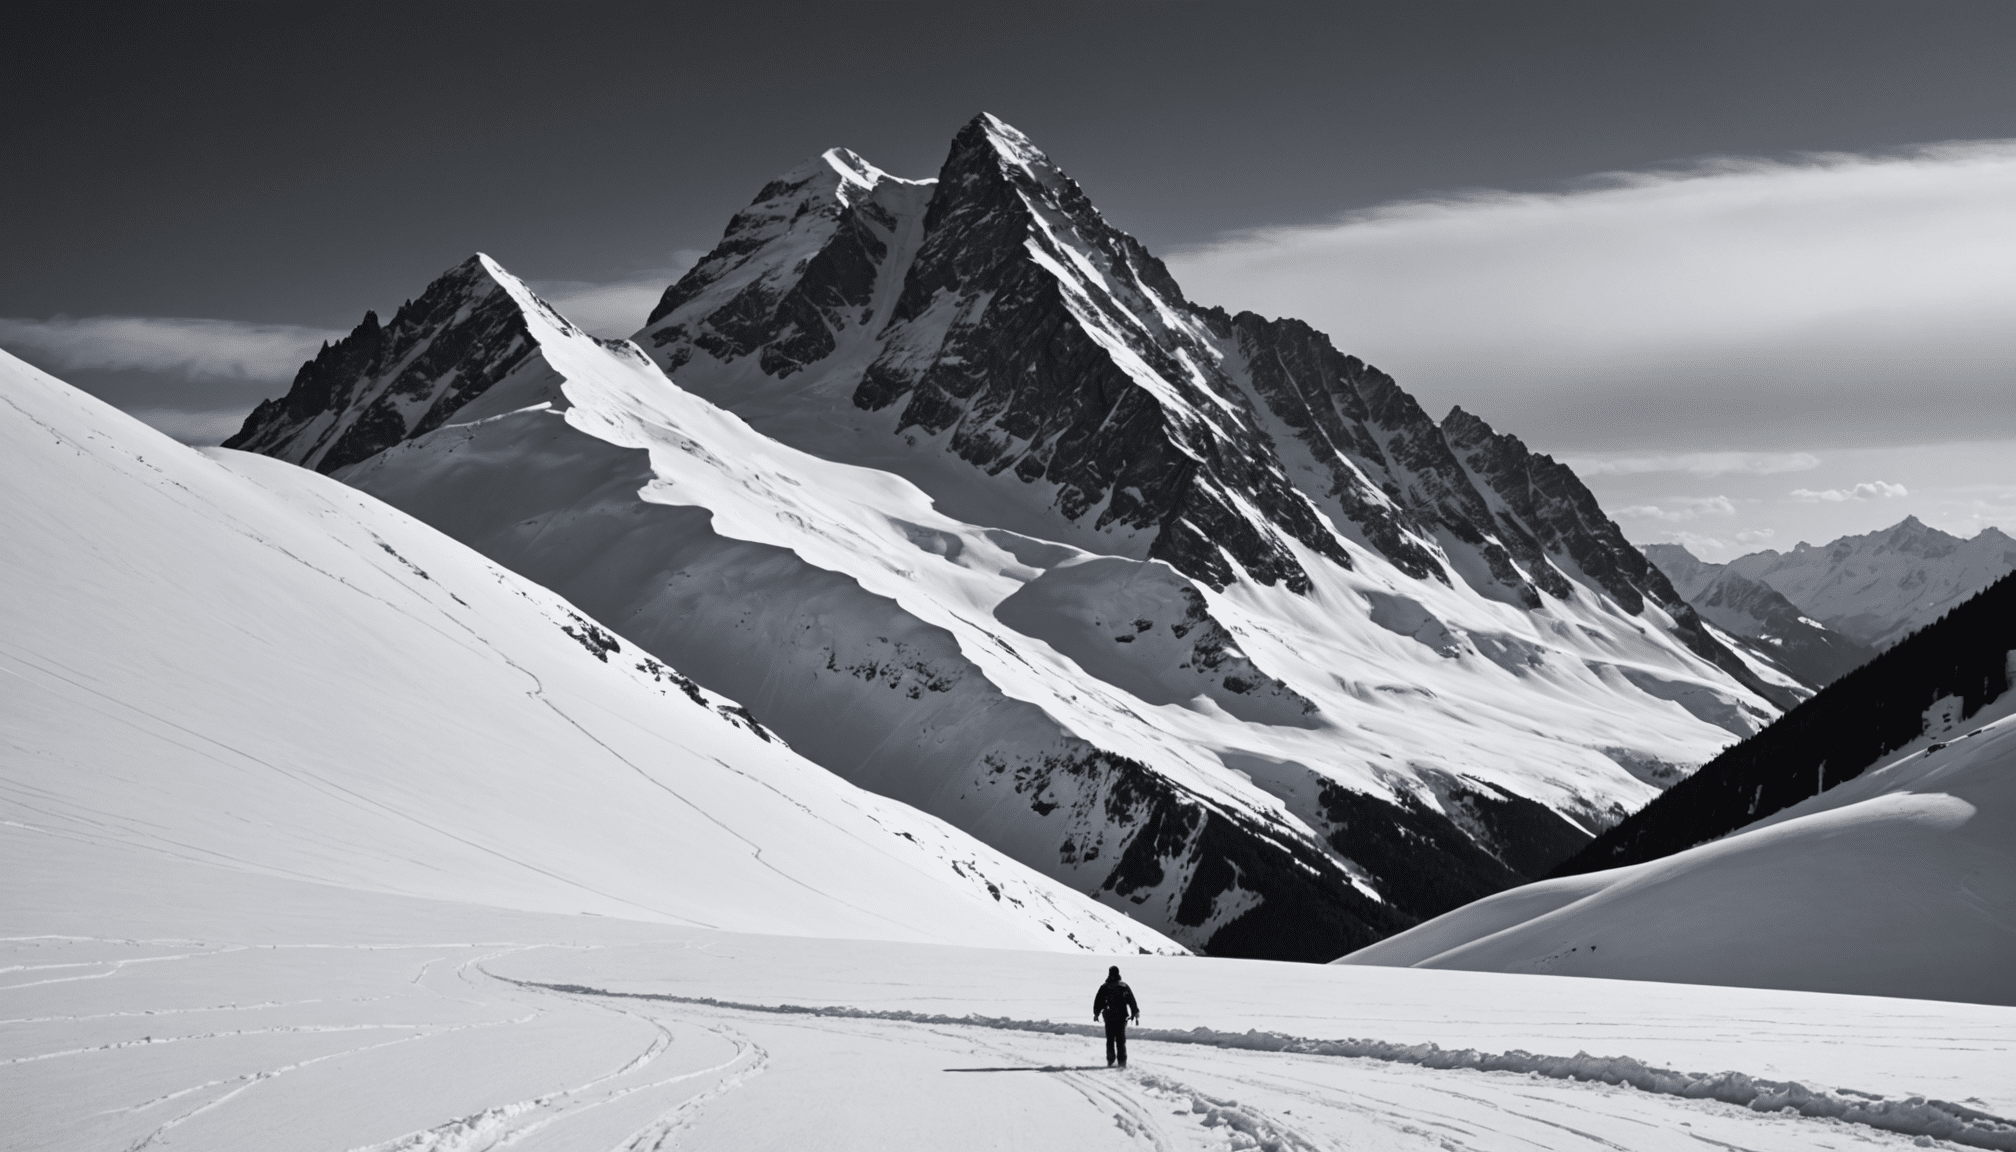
column 1831, row 738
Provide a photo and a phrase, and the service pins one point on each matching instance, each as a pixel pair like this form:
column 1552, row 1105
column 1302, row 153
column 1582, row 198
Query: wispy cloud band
column 1693, row 463
column 1872, row 490
column 1738, row 298
column 188, row 349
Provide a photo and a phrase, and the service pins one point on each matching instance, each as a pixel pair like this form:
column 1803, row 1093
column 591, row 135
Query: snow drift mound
column 224, row 659
column 1900, row 882
column 1937, row 678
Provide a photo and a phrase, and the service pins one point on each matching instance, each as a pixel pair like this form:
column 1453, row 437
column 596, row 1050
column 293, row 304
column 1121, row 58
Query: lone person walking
column 1114, row 1002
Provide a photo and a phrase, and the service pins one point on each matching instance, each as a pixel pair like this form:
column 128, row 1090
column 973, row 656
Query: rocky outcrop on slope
column 796, row 266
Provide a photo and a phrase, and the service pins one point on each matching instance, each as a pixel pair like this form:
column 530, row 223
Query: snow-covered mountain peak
column 857, row 176
column 1880, row 586
column 1008, row 140
column 988, row 138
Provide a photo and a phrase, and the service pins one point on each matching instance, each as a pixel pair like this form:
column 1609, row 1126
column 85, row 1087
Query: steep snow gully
column 954, row 490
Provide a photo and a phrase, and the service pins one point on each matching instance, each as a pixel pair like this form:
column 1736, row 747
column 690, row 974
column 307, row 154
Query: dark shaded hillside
column 1829, row 739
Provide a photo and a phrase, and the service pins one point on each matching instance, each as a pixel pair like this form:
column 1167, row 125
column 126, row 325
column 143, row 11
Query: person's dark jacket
column 1114, row 1001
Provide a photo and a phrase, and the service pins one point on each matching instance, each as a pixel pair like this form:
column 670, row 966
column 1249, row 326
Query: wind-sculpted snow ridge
column 1912, row 1115
column 1184, row 610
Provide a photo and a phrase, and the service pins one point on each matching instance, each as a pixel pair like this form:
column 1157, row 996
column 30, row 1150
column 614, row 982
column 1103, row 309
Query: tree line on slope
column 1832, row 737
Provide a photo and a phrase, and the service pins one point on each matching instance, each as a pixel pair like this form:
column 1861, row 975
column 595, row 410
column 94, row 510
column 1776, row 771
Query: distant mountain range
column 1872, row 590
column 949, row 483
column 1758, row 618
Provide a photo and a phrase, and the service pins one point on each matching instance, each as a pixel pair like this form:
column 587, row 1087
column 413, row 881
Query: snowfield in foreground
column 160, row 1004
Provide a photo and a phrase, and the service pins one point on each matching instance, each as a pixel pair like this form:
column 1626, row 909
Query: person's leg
column 1120, row 1041
column 1109, row 1046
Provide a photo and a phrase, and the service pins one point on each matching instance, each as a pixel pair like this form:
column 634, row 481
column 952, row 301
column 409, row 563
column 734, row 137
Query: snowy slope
column 189, row 1006
column 228, row 660
column 1759, row 619
column 1184, row 609
column 1879, row 587
column 1900, row 882
column 1079, row 712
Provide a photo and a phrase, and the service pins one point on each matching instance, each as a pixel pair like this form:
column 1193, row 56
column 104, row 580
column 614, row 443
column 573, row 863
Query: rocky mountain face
column 385, row 383
column 1002, row 322
column 1879, row 587
column 950, row 485
column 1759, row 618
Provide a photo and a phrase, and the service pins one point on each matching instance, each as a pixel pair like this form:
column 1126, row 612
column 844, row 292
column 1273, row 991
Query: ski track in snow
column 573, row 1066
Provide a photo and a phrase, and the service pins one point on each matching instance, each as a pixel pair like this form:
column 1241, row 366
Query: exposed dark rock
column 379, row 386
column 984, row 345
column 597, row 640
column 1311, row 388
column 1525, row 835
column 1310, row 912
column 1418, row 858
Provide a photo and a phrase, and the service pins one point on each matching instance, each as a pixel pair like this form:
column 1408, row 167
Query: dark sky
column 294, row 163
column 1838, row 324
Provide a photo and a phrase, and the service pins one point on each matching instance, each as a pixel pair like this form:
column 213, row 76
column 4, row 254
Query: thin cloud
column 1708, row 548
column 189, row 349
column 201, row 429
column 1737, row 299
column 1873, row 490
column 1755, row 535
column 615, row 308
column 1686, row 508
column 1693, row 463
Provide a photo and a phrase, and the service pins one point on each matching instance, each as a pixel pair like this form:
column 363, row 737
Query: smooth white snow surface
column 1900, row 882
column 230, row 659
column 151, row 1003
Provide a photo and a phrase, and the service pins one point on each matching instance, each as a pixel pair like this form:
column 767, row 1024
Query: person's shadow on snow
column 1037, row 1068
